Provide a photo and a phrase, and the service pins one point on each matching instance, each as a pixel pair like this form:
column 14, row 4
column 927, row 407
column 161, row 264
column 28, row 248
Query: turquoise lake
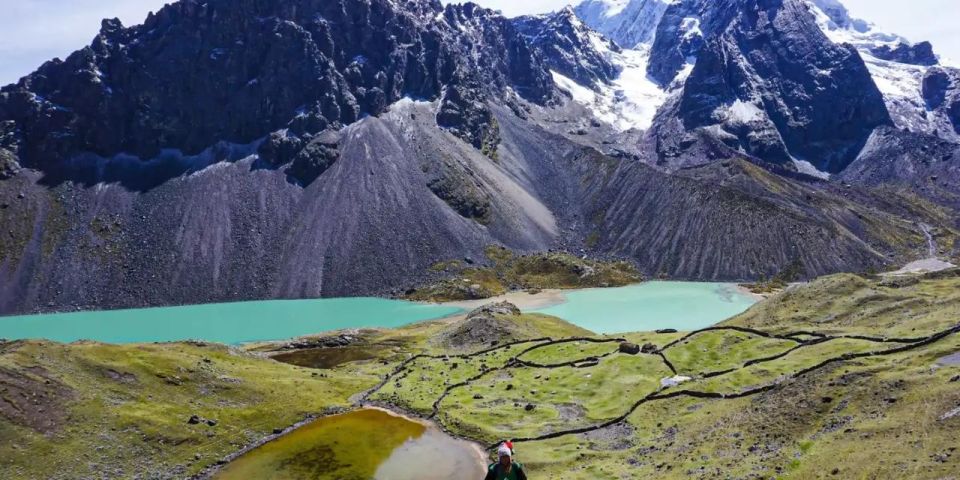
column 652, row 306
column 230, row 323
column 647, row 306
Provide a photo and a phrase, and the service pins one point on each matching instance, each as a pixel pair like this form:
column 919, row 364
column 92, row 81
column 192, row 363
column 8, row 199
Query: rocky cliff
column 242, row 149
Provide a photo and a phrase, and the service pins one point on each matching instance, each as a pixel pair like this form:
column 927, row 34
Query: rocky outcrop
column 486, row 325
column 941, row 92
column 923, row 164
column 463, row 111
column 8, row 164
column 916, row 54
column 499, row 308
column 569, row 47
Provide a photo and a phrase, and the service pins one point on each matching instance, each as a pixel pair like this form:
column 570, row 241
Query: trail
column 927, row 265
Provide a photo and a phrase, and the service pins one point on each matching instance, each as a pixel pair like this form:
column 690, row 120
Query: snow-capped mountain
column 610, row 81
column 242, row 149
column 630, row 23
column 897, row 66
column 795, row 82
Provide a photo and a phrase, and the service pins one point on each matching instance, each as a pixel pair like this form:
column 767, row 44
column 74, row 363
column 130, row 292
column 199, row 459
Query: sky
column 33, row 31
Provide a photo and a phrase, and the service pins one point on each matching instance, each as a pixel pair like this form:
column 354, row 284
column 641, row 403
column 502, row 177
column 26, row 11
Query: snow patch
column 690, row 27
column 406, row 103
column 807, row 168
column 743, row 112
column 902, row 88
column 580, row 94
column 628, row 22
column 614, row 7
column 841, row 28
column 216, row 53
column 631, row 100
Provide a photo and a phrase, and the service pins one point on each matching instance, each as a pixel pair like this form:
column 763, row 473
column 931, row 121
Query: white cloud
column 33, row 31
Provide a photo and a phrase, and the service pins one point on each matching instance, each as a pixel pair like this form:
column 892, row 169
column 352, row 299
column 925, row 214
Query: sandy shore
column 756, row 296
column 548, row 298
column 523, row 300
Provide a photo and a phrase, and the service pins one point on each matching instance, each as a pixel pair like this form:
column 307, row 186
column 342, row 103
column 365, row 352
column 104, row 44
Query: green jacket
column 495, row 473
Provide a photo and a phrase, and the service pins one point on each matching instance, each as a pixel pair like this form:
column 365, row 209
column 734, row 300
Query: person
column 505, row 468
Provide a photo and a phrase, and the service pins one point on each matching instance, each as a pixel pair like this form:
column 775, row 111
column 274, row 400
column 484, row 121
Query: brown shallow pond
column 328, row 357
column 361, row 445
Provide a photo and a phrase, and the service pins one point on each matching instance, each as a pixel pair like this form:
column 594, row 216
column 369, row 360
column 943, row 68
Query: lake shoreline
column 296, row 319
column 211, row 471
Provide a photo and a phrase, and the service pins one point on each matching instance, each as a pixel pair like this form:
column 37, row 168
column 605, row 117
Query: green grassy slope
column 838, row 378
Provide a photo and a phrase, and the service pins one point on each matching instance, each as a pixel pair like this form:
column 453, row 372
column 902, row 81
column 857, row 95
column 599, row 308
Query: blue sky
column 33, row 31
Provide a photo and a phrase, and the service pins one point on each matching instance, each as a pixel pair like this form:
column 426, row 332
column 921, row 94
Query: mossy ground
column 717, row 351
column 507, row 271
column 872, row 417
column 128, row 407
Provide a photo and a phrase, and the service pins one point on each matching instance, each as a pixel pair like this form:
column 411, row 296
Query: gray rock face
column 483, row 327
column 920, row 163
column 464, row 113
column 565, row 44
column 235, row 70
column 941, row 92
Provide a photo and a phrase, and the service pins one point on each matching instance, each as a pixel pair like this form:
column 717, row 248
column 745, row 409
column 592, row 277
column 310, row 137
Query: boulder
column 649, row 348
column 279, row 148
column 666, row 330
column 630, row 348
column 315, row 158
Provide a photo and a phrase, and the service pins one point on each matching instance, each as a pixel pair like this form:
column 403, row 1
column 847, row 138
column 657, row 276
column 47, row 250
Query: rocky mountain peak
column 628, row 22
column 235, row 70
column 569, row 47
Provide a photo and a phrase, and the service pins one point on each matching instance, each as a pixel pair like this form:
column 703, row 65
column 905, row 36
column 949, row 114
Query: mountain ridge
column 409, row 152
